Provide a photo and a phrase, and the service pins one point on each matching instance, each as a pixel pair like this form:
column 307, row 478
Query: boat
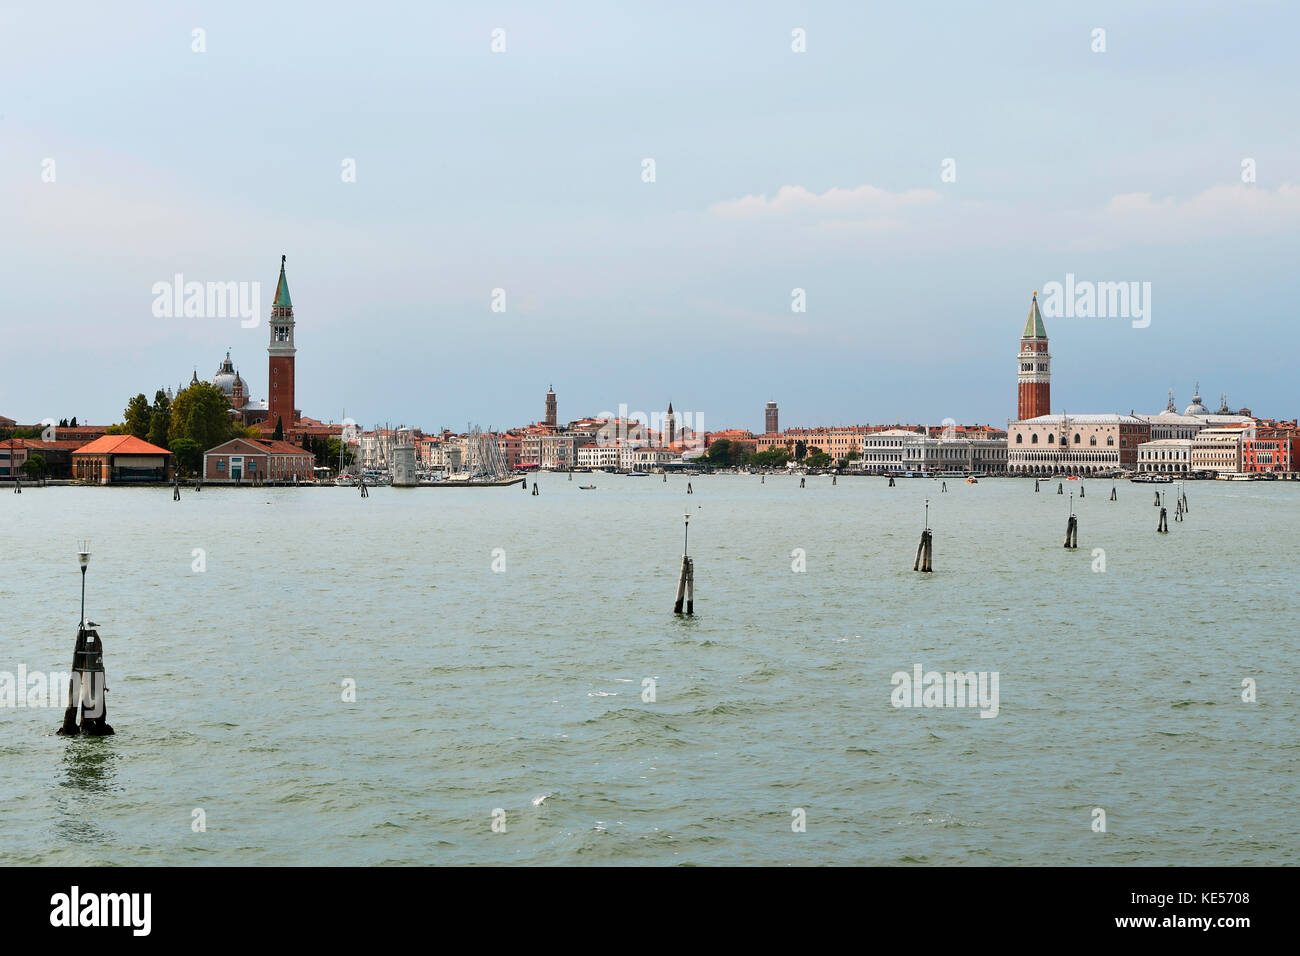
column 586, row 487
column 638, row 474
column 972, row 480
column 1152, row 480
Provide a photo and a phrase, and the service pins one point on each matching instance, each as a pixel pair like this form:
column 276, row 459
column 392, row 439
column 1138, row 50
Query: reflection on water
column 89, row 769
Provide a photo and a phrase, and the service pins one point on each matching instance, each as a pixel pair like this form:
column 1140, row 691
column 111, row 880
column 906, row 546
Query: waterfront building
column 1075, row 444
column 1165, row 456
column 13, row 455
column 121, row 459
column 1218, row 449
column 1275, row 448
column 1034, row 378
column 244, row 460
column 890, row 449
column 596, row 456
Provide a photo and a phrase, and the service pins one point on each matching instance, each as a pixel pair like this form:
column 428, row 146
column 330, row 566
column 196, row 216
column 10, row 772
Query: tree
column 117, row 430
column 278, row 434
column 202, row 414
column 160, row 419
column 772, row 458
column 137, row 416
column 73, row 423
column 800, row 450
column 34, row 465
column 817, row 459
column 187, row 456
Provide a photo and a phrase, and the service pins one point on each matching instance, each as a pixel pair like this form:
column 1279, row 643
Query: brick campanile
column 279, row 376
column 1035, row 377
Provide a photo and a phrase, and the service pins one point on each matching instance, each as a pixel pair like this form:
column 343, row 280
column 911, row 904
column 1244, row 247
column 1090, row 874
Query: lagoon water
column 521, row 689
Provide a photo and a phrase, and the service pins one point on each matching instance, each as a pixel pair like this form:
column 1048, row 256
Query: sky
column 917, row 170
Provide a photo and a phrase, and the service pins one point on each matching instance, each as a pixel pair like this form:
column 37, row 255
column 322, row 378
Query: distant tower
column 550, row 406
column 771, row 421
column 1170, row 407
column 670, row 426
column 237, row 397
column 1035, row 367
column 279, row 379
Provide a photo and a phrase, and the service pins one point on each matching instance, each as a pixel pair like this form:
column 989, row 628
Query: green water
column 521, row 689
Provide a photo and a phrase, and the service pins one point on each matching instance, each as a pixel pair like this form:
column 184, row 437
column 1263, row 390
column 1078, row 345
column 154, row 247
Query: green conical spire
column 1034, row 328
column 282, row 289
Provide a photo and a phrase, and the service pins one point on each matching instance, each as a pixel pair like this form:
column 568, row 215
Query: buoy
column 86, row 686
column 924, row 549
column 686, row 579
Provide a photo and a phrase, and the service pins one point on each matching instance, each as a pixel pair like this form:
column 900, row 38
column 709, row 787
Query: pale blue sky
column 522, row 170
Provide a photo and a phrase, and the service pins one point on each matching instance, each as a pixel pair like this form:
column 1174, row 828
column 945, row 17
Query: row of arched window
column 1051, row 439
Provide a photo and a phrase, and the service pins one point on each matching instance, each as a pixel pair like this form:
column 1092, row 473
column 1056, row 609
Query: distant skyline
column 775, row 170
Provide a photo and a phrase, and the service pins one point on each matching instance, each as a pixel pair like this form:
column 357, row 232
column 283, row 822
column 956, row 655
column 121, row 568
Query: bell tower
column 1035, row 376
column 279, row 378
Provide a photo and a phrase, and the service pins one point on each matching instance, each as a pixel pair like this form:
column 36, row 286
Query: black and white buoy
column 86, row 686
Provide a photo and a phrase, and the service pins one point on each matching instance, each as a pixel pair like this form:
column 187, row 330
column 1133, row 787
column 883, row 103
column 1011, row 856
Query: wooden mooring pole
column 925, row 548
column 686, row 578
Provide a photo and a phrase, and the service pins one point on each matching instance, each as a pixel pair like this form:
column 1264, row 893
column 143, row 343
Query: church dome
column 1196, row 408
column 225, row 377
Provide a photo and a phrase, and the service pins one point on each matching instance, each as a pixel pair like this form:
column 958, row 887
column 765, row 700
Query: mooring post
column 834, row 478
column 801, row 480
column 534, row 486
column 944, row 486
column 524, row 484
column 1113, row 496
column 1163, row 526
column 1081, row 494
column 686, row 578
column 924, row 549
column 1156, row 503
column 176, row 490
column 1072, row 528
column 891, row 481
column 689, row 489
column 1060, row 487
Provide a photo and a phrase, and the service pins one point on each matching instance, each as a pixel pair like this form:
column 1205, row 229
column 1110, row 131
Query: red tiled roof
column 120, row 445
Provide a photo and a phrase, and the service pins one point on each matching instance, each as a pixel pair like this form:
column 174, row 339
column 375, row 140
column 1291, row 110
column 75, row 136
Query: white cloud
column 1237, row 210
column 788, row 200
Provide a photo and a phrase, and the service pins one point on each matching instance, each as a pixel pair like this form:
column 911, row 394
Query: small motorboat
column 586, row 487
column 972, row 480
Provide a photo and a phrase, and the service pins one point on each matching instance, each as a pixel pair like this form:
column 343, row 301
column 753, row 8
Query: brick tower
column 550, row 407
column 279, row 379
column 1035, row 378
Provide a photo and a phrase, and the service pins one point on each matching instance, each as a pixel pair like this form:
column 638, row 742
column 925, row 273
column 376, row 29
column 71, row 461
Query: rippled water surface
column 522, row 690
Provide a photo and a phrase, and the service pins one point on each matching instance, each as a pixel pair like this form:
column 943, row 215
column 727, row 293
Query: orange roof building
column 121, row 459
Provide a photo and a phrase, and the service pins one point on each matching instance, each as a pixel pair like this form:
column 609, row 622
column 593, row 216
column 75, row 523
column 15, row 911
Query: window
column 1019, row 439
column 221, row 464
column 1033, row 439
column 1092, row 440
column 1110, row 439
column 1051, row 439
column 1076, row 438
